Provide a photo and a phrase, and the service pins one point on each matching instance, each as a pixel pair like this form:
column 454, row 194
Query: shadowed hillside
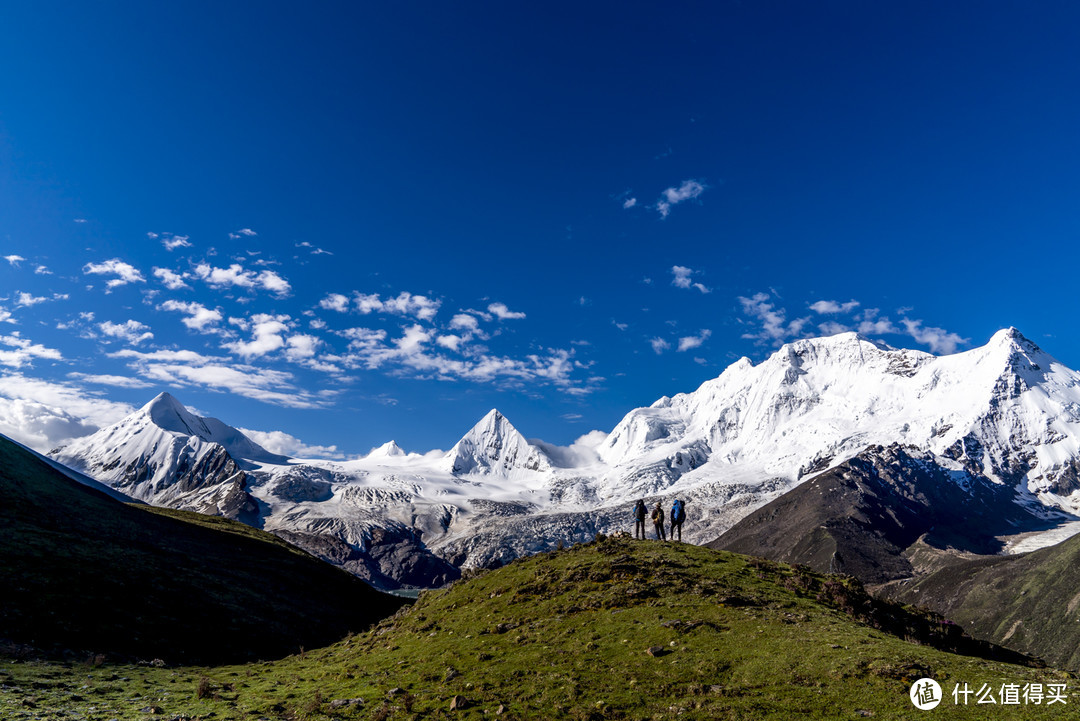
column 83, row 573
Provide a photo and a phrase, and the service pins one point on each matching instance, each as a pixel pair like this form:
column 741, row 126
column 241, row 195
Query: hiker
column 678, row 515
column 639, row 519
column 658, row 521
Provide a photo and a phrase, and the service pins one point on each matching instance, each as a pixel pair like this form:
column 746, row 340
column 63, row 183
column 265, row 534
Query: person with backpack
column 658, row 521
column 678, row 515
column 639, row 518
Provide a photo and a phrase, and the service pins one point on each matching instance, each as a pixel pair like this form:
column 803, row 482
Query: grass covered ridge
column 611, row 629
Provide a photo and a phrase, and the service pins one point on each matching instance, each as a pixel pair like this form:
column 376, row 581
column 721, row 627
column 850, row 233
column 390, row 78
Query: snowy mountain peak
column 169, row 414
column 390, row 449
column 493, row 445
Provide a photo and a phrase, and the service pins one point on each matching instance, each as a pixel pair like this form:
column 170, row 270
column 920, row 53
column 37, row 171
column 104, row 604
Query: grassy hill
column 1030, row 602
column 615, row 629
column 83, row 574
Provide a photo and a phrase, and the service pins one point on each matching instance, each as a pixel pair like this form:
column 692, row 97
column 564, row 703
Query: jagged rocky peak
column 390, row 449
column 494, row 446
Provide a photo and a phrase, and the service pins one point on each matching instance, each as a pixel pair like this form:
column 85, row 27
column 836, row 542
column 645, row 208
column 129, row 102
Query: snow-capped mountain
column 1006, row 412
column 165, row 455
column 494, row 446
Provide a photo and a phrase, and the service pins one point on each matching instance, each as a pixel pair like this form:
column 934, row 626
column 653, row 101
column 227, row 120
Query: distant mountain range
column 996, row 429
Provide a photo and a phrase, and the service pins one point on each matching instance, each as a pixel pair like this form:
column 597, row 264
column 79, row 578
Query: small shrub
column 204, row 689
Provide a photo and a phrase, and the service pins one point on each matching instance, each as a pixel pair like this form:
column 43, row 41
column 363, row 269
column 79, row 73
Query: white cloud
column 44, row 415
column 335, row 301
column 314, row 250
column 124, row 272
column 236, row 276
column 301, row 347
column 659, row 345
column 25, row 299
column 688, row 190
column 288, row 445
column 940, row 340
column 693, row 341
column 418, row 306
column 774, row 324
column 25, row 351
column 171, row 242
column 832, row 328
column 465, row 322
column 171, row 280
column 266, row 333
column 199, row 317
column 5, row 315
column 629, row 203
column 682, row 279
column 620, row 326
column 413, row 354
column 503, row 313
column 109, row 380
column 14, row 259
column 188, row 368
column 242, row 233
column 832, row 306
column 42, row 270
column 131, row 331
column 582, row 452
column 451, row 341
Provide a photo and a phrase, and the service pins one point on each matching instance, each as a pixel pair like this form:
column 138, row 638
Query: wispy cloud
column 659, row 345
column 109, row 380
column 125, row 272
column 170, row 241
column 313, row 249
column 938, row 339
column 25, row 299
column 14, row 259
column 42, row 270
column 415, row 353
column 189, row 368
column 693, row 341
column 23, row 351
column 682, row 278
column 242, row 233
column 832, row 307
column 500, row 311
column 687, row 190
column 775, row 327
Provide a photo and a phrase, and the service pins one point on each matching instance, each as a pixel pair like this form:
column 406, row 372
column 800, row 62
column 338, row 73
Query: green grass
column 564, row 635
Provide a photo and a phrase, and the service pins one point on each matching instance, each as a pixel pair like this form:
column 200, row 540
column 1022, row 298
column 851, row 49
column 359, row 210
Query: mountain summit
column 494, row 446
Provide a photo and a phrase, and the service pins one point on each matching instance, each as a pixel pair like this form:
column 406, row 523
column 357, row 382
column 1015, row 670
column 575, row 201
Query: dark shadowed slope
column 860, row 517
column 1029, row 602
column 82, row 572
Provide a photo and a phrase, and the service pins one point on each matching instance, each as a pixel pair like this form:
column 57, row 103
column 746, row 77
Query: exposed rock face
column 863, row 516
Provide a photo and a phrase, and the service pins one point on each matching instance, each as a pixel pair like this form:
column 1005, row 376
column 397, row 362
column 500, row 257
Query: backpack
column 639, row 511
column 678, row 513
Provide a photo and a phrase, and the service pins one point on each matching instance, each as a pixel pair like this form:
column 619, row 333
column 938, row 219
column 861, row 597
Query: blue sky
column 357, row 221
